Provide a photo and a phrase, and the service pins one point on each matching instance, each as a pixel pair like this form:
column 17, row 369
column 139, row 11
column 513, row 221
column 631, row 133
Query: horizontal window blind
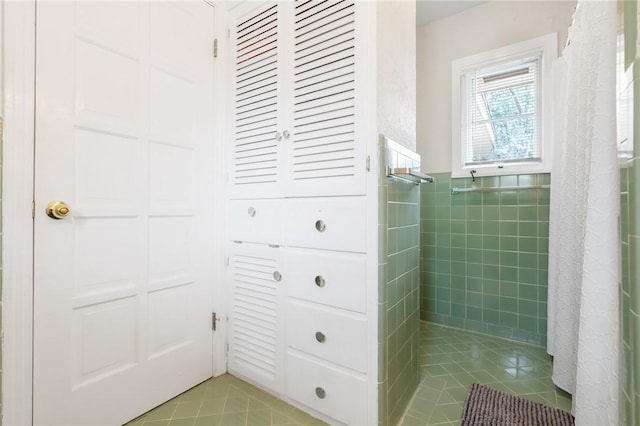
column 503, row 113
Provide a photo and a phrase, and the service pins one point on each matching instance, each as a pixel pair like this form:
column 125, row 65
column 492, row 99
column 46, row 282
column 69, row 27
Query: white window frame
column 547, row 48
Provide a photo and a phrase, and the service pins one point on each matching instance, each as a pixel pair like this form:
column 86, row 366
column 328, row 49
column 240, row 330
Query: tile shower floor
column 450, row 360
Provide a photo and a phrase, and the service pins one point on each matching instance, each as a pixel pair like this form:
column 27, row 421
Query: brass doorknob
column 57, row 210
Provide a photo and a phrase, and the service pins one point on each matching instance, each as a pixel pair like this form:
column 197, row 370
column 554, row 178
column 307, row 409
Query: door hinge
column 215, row 47
column 228, row 32
column 214, row 321
column 33, row 209
column 368, row 163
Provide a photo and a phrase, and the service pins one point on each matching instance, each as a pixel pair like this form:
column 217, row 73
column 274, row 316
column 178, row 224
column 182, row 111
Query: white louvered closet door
column 326, row 153
column 256, row 332
column 256, row 157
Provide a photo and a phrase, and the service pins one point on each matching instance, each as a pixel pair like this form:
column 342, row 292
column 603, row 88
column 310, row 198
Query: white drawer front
column 335, row 279
column 332, row 392
column 332, row 336
column 257, row 221
column 336, row 223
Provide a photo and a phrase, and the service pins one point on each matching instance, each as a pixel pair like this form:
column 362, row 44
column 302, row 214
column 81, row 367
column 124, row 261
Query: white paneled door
column 124, row 138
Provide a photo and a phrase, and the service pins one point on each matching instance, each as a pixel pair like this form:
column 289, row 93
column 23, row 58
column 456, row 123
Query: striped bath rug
column 489, row 407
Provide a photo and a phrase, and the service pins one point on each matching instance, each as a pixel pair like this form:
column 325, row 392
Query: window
column 500, row 108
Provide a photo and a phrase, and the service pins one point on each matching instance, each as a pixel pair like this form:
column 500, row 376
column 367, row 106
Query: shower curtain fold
column 583, row 312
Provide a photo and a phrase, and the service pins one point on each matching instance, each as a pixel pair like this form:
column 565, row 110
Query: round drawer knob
column 320, row 393
column 320, row 225
column 320, row 281
column 277, row 276
column 320, row 337
column 251, row 212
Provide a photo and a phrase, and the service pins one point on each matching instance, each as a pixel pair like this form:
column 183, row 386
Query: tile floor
column 450, row 360
column 224, row 400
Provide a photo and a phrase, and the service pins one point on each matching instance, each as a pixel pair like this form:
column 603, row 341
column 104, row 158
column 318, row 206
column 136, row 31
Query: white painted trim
column 220, row 299
column 17, row 194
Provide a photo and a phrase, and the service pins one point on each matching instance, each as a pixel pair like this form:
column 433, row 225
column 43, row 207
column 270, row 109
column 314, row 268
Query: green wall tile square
column 474, row 299
column 474, row 313
column 528, row 196
column 543, row 179
column 509, row 304
column 528, row 292
column 458, row 297
column 443, row 239
column 474, row 226
column 490, row 287
column 474, row 284
column 474, row 256
column 459, row 282
column 474, row 270
column 458, row 254
column 490, row 242
column 443, row 307
column 490, row 316
column 458, row 213
column 491, row 257
column 508, row 273
column 474, row 241
column 508, row 243
column 527, row 260
column 474, row 212
column 474, row 199
column 491, row 272
column 489, row 181
column 529, row 323
column 508, row 319
column 529, row 276
column 443, row 212
column 528, row 307
column 509, row 198
column 509, row 228
column 509, row 180
column 458, row 226
column 528, row 229
column 526, row 180
column 491, row 212
column 509, row 213
column 459, row 310
column 528, row 244
column 491, row 199
column 491, row 227
column 458, row 240
column 509, row 258
column 490, row 301
column 528, row 213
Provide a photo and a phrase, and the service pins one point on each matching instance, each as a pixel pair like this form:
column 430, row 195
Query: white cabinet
column 296, row 122
column 300, row 319
column 256, row 321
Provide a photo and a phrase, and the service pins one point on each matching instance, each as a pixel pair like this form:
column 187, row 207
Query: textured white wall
column 396, row 38
column 485, row 27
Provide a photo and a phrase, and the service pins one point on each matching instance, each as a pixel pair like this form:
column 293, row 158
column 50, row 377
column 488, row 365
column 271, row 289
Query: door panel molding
column 17, row 195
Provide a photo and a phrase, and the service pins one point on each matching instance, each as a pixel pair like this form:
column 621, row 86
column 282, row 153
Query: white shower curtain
column 583, row 323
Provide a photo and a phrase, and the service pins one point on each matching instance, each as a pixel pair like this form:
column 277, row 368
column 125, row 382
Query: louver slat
column 255, row 153
column 254, row 315
column 323, row 146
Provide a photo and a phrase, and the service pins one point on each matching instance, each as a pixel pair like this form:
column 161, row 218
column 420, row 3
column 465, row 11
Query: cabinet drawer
column 333, row 336
column 334, row 279
column 332, row 392
column 336, row 223
column 257, row 221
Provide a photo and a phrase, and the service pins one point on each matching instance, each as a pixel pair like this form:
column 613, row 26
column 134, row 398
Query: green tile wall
column 399, row 300
column 628, row 121
column 484, row 256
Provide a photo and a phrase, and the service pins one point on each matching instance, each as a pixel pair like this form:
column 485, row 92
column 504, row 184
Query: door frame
column 18, row 150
